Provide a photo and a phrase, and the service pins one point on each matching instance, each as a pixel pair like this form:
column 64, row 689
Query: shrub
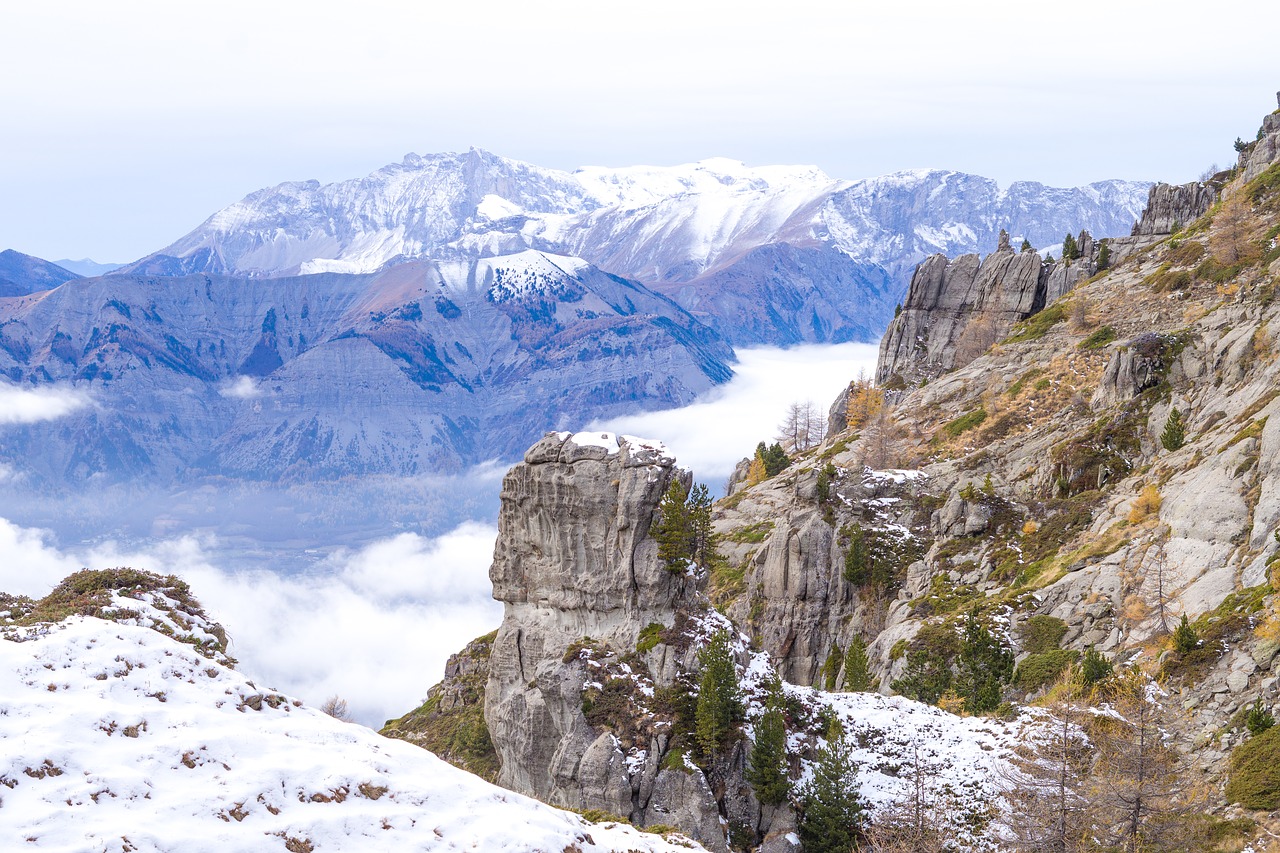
column 1185, row 638
column 1258, row 719
column 1146, row 504
column 1254, row 780
column 1037, row 670
column 1094, row 667
column 1042, row 634
column 650, row 636
column 1038, row 325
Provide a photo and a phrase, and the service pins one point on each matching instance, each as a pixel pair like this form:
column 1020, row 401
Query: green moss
column 1043, row 668
column 964, row 423
column 1253, row 430
column 839, row 447
column 1098, row 339
column 752, row 534
column 1038, row 325
column 1254, row 781
column 944, row 597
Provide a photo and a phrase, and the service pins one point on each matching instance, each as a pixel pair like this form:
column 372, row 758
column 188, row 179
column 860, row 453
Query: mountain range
column 467, row 302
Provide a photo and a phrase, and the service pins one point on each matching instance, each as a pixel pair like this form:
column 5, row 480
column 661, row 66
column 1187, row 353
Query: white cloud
column 30, row 405
column 374, row 626
column 243, row 388
column 711, row 435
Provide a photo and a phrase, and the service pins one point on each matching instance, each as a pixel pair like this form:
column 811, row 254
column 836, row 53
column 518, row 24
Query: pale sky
column 127, row 124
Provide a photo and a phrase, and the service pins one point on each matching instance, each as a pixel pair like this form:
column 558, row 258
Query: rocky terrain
column 1080, row 517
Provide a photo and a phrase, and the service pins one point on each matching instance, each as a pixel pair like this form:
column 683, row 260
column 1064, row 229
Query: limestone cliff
column 956, row 309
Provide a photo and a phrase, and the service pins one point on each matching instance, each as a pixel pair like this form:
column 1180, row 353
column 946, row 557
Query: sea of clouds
column 375, row 622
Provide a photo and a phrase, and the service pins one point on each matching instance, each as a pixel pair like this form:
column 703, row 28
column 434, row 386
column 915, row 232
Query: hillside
column 1032, row 530
column 130, row 731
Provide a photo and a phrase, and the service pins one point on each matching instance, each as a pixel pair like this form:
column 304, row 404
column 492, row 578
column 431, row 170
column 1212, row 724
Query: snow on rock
column 114, row 737
column 611, row 443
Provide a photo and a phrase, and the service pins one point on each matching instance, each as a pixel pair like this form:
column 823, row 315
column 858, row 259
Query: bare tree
column 1135, row 780
column 802, row 427
column 1229, row 240
column 979, row 335
column 880, row 439
column 915, row 824
column 1047, row 796
column 335, row 706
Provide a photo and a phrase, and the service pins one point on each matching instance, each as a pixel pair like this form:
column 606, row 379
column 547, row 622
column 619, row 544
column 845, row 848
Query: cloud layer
column 31, row 405
column 725, row 425
column 374, row 626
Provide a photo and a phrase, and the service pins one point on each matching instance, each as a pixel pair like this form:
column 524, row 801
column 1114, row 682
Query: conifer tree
column 1104, row 256
column 1026, row 246
column 703, row 537
column 857, row 667
column 831, row 667
column 1070, row 249
column 719, row 703
column 671, row 528
column 1094, row 667
column 832, row 812
column 985, row 667
column 1184, row 636
column 1174, row 434
column 767, row 766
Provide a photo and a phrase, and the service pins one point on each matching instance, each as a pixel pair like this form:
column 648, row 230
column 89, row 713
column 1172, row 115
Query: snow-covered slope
column 646, row 222
column 116, row 738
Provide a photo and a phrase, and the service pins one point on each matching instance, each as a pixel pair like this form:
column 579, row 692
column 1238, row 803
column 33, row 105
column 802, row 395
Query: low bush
column 1254, row 780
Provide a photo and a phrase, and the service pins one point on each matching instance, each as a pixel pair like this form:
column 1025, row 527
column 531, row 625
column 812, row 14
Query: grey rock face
column 1266, row 150
column 574, row 560
column 956, row 309
column 1170, row 207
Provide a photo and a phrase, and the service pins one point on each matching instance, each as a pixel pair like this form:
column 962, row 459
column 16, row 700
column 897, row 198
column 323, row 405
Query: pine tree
column 1175, row 432
column 1070, row 248
column 985, row 667
column 832, row 813
column 1185, row 638
column 1026, row 246
column 671, row 528
column 1104, row 256
column 857, row 667
column 698, row 507
column 767, row 766
column 1094, row 667
column 719, row 703
column 831, row 667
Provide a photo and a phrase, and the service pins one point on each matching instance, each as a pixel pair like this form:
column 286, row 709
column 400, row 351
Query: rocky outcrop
column 1171, row 207
column 1259, row 155
column 579, row 578
column 956, row 309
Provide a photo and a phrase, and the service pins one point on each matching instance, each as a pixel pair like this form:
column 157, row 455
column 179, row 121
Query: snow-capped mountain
column 119, row 738
column 655, row 224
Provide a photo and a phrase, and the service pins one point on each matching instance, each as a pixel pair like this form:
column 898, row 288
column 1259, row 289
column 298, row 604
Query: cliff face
column 580, row 579
column 956, row 309
column 1171, row 207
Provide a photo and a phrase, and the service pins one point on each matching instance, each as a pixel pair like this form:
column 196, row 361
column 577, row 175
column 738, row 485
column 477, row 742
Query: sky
column 128, row 124
column 375, row 624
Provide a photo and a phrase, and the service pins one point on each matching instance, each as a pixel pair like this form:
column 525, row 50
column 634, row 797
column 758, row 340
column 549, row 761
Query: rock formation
column 1171, row 207
column 956, row 309
column 574, row 564
column 1259, row 155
